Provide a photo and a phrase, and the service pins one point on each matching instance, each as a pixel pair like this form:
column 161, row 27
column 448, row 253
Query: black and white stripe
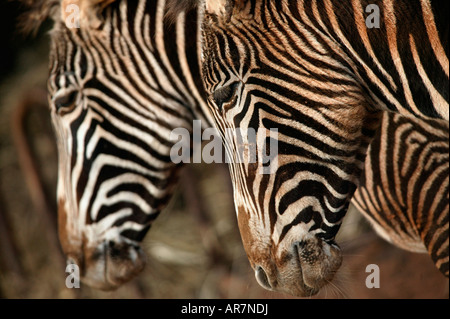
column 314, row 71
column 404, row 190
column 117, row 92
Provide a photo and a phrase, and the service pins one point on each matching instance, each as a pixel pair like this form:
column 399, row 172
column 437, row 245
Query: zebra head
column 115, row 172
column 260, row 74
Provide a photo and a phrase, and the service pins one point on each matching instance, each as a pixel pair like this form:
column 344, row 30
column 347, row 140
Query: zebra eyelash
column 66, row 102
column 225, row 95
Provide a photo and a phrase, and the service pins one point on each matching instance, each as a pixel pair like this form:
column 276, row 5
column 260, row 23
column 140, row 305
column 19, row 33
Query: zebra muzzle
column 110, row 264
column 319, row 262
column 303, row 270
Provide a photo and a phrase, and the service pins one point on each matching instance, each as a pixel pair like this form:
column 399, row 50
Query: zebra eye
column 225, row 95
column 66, row 102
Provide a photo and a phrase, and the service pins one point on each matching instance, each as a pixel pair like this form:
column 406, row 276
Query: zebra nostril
column 262, row 278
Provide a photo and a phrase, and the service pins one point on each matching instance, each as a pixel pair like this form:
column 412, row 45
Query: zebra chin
column 110, row 264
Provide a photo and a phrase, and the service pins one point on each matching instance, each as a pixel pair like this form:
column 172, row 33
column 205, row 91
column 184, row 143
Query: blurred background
column 194, row 248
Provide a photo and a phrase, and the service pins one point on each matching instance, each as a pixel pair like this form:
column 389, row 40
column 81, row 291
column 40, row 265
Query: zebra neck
column 171, row 50
column 397, row 51
column 183, row 36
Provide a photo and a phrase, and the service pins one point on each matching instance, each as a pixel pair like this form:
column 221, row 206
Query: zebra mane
column 38, row 11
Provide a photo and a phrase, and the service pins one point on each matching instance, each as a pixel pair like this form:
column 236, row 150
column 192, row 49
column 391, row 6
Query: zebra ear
column 35, row 13
column 86, row 13
column 224, row 8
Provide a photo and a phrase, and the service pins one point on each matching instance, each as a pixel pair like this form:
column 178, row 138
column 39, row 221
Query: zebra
column 87, row 113
column 407, row 201
column 120, row 80
column 315, row 72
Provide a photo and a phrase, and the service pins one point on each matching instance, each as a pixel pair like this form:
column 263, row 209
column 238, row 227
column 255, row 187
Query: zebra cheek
column 250, row 243
column 258, row 253
column 244, row 230
column 67, row 235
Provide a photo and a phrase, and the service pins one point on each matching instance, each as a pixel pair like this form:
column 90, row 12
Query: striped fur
column 117, row 90
column 404, row 190
column 314, row 71
column 133, row 82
